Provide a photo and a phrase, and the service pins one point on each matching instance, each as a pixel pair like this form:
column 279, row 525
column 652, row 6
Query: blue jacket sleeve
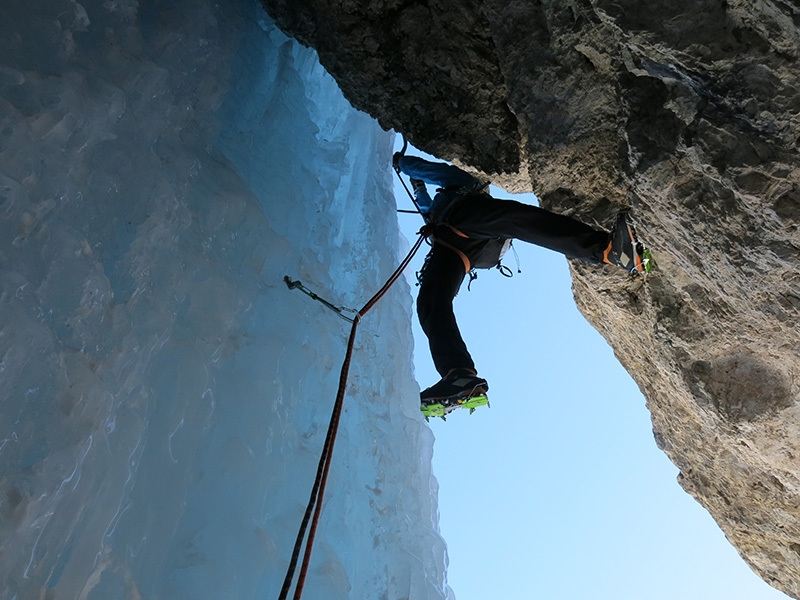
column 424, row 201
column 435, row 173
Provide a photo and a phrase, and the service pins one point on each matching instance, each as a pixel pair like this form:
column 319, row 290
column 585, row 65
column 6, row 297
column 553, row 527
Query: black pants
column 482, row 217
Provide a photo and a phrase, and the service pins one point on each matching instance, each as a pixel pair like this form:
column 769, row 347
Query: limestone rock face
column 688, row 112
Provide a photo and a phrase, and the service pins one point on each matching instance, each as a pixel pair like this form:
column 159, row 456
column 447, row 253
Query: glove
column 396, row 159
column 417, row 183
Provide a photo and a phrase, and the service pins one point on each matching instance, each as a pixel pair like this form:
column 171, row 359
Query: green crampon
column 442, row 407
column 647, row 260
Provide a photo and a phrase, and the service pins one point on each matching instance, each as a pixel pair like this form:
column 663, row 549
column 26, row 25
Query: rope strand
column 318, row 490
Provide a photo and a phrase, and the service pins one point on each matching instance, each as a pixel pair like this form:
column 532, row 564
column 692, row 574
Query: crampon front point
column 440, row 408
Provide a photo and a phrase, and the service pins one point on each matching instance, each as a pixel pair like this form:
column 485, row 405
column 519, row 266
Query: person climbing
column 471, row 229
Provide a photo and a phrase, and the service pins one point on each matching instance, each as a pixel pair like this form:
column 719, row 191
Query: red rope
column 318, row 491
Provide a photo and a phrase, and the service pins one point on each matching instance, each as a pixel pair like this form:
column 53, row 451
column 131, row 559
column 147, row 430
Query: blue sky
column 558, row 491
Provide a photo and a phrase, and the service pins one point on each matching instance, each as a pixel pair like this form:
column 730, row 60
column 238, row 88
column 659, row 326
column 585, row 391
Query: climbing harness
column 318, row 491
column 489, row 256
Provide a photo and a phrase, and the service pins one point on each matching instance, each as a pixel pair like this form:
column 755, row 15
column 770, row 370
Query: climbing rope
column 318, row 491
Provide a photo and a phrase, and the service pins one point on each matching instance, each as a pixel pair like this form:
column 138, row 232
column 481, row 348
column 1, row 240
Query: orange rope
column 318, row 491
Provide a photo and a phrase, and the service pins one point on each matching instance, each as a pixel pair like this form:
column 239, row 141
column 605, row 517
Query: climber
column 470, row 229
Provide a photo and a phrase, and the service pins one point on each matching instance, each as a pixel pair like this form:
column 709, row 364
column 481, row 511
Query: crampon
column 443, row 407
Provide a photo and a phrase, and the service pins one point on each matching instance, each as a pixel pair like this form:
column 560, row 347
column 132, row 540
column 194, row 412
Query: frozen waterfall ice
column 164, row 395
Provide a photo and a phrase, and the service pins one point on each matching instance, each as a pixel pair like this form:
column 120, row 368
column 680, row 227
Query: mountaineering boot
column 624, row 248
column 460, row 388
column 458, row 383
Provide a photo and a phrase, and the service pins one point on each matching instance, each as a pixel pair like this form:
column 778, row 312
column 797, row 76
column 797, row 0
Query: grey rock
column 685, row 112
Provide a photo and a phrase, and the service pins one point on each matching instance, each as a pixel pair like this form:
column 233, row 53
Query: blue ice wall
column 164, row 395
